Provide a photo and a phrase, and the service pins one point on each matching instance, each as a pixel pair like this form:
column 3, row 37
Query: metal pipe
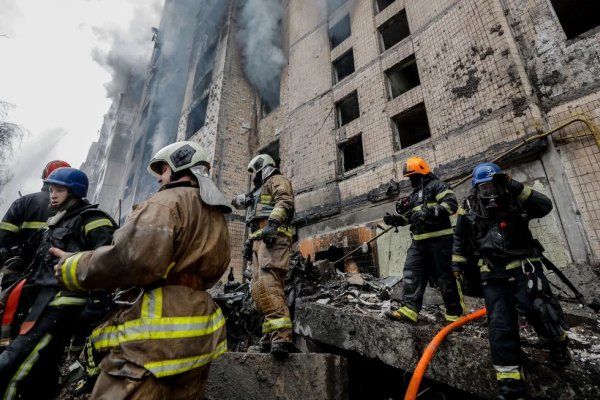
column 592, row 128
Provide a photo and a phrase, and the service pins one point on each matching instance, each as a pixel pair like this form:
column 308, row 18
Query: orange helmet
column 415, row 165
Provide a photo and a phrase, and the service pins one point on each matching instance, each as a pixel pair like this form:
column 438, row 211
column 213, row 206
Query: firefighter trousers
column 188, row 385
column 30, row 364
column 431, row 258
column 505, row 298
column 270, row 265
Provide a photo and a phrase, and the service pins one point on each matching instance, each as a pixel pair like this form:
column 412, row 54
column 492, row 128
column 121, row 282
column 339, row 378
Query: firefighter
column 29, row 365
column 427, row 209
column 493, row 225
column 271, row 209
column 26, row 216
column 172, row 248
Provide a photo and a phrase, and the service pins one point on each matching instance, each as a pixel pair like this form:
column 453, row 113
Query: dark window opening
column 347, row 109
column 265, row 108
column 272, row 149
column 351, row 153
column 394, row 30
column 333, row 5
column 412, row 126
column 577, row 16
column 197, row 117
column 340, row 31
column 344, row 66
column 403, row 76
column 383, row 4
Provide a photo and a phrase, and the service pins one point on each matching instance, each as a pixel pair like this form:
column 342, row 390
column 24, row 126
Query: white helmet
column 259, row 162
column 190, row 155
column 179, row 156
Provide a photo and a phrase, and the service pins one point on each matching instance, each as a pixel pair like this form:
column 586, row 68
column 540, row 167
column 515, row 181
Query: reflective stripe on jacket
column 176, row 244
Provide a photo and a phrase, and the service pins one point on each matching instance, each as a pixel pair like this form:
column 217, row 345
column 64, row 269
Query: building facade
column 369, row 83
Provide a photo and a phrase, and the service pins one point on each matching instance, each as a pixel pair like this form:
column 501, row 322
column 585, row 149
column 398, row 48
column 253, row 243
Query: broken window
column 343, row 66
column 197, row 117
column 340, row 31
column 351, row 153
column 403, row 76
column 412, row 126
column 333, row 5
column 394, row 30
column 347, row 109
column 383, row 4
column 577, row 16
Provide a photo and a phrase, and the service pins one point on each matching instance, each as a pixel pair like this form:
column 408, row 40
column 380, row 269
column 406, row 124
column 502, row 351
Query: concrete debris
column 247, row 376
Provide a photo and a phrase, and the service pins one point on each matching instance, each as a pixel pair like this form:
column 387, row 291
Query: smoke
column 33, row 155
column 127, row 50
column 260, row 40
column 9, row 15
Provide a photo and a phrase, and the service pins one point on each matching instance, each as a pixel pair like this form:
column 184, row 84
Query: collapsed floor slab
column 248, row 376
column 463, row 360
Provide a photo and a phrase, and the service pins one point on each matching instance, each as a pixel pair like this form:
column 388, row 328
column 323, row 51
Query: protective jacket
column 175, row 247
column 500, row 240
column 53, row 316
column 26, row 216
column 431, row 193
column 274, row 200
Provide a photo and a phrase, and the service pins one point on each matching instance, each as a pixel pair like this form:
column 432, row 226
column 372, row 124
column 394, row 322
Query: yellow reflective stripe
column 96, row 224
column 457, row 258
column 440, row 196
column 274, row 324
column 157, row 328
column 451, row 318
column 279, row 214
column 446, row 206
column 33, row 225
column 518, row 263
column 152, row 304
column 407, row 312
column 25, row 368
column 68, row 271
column 461, row 211
column 266, row 199
column 482, row 266
column 429, row 235
column 285, row 230
column 173, row 367
column 420, row 206
column 60, row 300
column 169, row 268
column 525, row 193
column 509, row 375
column 7, row 226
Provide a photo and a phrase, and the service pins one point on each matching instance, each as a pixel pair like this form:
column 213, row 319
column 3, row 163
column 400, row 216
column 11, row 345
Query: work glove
column 402, row 206
column 510, row 185
column 393, row 220
column 242, row 201
column 269, row 233
column 418, row 217
column 435, row 210
column 247, row 250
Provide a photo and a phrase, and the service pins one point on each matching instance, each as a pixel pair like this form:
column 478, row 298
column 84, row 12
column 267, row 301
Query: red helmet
column 52, row 165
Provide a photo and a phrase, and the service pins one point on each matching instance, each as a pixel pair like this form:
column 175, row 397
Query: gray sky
column 51, row 72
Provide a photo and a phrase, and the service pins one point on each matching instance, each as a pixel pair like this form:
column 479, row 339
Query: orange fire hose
column 413, row 387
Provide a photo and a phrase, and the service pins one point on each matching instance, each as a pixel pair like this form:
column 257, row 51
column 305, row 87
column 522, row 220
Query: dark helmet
column 484, row 172
column 52, row 165
column 74, row 179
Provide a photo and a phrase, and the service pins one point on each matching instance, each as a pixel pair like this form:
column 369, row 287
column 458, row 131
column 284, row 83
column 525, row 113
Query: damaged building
column 340, row 94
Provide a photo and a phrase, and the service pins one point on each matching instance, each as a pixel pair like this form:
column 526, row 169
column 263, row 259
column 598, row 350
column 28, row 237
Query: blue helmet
column 484, row 172
column 74, row 179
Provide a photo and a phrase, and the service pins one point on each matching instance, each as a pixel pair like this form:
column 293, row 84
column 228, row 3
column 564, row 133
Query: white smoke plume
column 128, row 50
column 260, row 40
